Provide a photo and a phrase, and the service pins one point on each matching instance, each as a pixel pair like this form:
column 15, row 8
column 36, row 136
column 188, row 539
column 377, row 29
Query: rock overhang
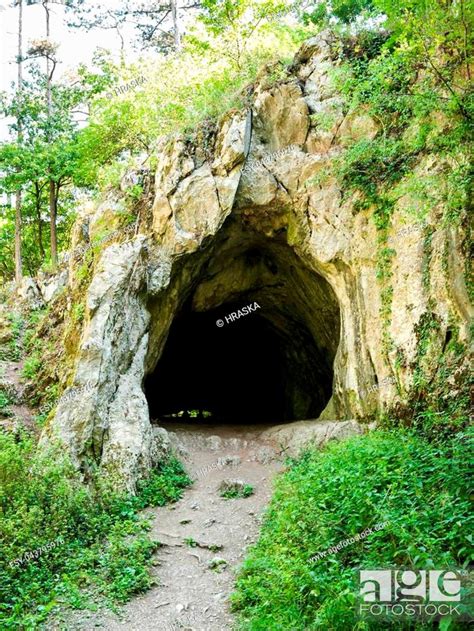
column 225, row 215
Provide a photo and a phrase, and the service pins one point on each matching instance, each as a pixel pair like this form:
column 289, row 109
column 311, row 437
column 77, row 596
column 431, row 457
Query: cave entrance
column 271, row 362
column 224, row 373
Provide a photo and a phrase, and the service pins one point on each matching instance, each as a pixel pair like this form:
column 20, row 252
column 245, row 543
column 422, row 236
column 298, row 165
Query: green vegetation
column 420, row 489
column 11, row 350
column 233, row 493
column 31, row 366
column 50, row 156
column 5, row 402
column 439, row 402
column 405, row 65
column 67, row 544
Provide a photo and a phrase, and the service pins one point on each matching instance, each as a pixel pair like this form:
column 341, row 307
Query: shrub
column 104, row 550
column 234, row 493
column 328, row 496
column 31, row 366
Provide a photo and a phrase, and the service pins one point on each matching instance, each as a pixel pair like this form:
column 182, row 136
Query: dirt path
column 19, row 414
column 190, row 595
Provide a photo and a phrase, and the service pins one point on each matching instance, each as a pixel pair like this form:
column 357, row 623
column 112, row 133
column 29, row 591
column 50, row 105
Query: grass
column 5, row 402
column 233, row 493
column 11, row 350
column 31, row 366
column 64, row 544
column 326, row 497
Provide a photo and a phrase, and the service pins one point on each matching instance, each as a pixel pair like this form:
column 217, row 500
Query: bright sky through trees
column 75, row 46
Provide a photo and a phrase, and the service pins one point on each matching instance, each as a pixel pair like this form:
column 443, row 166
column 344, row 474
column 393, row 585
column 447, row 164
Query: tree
column 433, row 35
column 235, row 22
column 47, row 50
column 48, row 157
column 18, row 259
column 345, row 11
column 438, row 35
column 158, row 25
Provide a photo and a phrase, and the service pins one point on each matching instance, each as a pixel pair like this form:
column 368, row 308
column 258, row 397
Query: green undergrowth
column 67, row 545
column 418, row 490
column 10, row 350
column 5, row 401
column 439, row 402
column 234, row 493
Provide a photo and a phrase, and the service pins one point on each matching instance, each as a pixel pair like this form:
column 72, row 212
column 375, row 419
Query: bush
column 419, row 489
column 5, row 401
column 11, row 350
column 31, row 366
column 63, row 542
column 235, row 493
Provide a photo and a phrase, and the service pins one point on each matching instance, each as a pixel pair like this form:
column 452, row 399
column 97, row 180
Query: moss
column 77, row 311
column 84, row 272
column 427, row 254
column 438, row 401
column 425, row 331
column 47, row 364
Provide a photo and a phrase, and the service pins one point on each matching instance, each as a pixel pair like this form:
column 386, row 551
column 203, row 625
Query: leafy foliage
column 124, row 117
column 103, row 551
column 11, row 350
column 420, row 490
column 233, row 493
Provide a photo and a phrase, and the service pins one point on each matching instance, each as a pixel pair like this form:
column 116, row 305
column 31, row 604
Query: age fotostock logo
column 407, row 593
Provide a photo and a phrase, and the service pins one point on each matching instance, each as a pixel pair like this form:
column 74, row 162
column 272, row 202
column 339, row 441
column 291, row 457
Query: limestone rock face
column 51, row 286
column 251, row 211
column 30, row 293
column 294, row 437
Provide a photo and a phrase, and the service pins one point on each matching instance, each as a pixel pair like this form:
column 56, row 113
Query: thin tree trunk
column 175, row 17
column 39, row 220
column 52, row 218
column 18, row 259
column 52, row 193
column 48, row 64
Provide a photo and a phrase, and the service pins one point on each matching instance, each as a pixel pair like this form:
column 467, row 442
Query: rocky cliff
column 251, row 210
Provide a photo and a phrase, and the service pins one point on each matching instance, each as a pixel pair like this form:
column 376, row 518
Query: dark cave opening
column 262, row 367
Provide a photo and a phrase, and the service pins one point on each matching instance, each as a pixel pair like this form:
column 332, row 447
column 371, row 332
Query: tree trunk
column 52, row 218
column 48, row 64
column 175, row 17
column 52, row 189
column 39, row 221
column 18, row 259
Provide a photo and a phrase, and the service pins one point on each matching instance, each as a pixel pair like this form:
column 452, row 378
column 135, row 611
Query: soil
column 201, row 530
